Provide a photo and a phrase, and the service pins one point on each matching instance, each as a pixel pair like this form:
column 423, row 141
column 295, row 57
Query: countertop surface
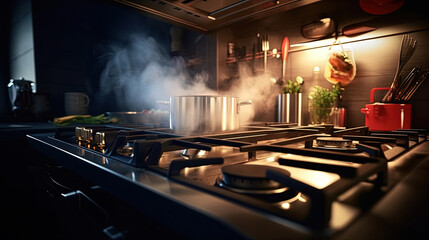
column 17, row 131
column 132, row 185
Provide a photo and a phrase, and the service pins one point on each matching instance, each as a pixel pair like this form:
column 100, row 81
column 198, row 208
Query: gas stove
column 265, row 180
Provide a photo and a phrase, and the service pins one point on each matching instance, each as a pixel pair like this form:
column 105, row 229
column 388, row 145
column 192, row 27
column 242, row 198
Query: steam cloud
column 258, row 88
column 142, row 72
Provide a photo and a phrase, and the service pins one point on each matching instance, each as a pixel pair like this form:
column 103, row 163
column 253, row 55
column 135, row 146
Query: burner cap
column 338, row 142
column 248, row 176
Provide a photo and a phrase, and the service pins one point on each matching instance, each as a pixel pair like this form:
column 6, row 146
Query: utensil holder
column 290, row 108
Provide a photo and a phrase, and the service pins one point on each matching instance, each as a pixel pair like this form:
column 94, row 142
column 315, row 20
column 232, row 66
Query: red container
column 386, row 116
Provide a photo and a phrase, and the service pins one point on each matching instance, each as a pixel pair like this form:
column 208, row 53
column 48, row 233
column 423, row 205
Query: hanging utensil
column 285, row 50
column 253, row 58
column 356, row 29
column 406, row 84
column 265, row 48
column 408, row 46
column 409, row 93
column 319, row 29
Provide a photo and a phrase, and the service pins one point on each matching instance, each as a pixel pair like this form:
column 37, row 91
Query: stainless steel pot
column 204, row 114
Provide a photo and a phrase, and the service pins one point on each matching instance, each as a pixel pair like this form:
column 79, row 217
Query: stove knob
column 79, row 133
column 88, row 135
column 99, row 139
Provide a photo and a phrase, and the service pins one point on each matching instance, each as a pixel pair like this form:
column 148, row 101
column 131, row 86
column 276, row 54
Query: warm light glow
column 274, row 51
column 201, row 153
column 352, row 42
column 285, row 205
column 318, row 179
column 271, row 159
column 316, row 69
column 325, row 20
column 212, row 18
column 301, row 198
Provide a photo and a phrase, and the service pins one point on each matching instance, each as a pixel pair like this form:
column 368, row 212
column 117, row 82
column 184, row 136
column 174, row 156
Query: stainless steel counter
column 182, row 207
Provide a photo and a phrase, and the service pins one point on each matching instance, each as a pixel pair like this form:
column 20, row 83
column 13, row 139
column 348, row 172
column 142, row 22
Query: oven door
column 75, row 205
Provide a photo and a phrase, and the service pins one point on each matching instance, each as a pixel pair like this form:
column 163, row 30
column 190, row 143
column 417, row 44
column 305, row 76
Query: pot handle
column 372, row 92
column 239, row 104
column 247, row 102
column 364, row 110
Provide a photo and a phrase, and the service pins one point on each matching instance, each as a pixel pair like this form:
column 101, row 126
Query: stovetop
column 308, row 181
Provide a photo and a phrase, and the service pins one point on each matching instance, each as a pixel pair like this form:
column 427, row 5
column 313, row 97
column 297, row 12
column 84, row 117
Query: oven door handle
column 84, row 203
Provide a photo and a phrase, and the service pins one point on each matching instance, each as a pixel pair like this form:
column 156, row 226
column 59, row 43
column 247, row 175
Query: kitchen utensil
column 319, row 29
column 356, row 29
column 408, row 46
column 415, row 85
column 253, row 57
column 386, row 116
column 21, row 96
column 285, row 50
column 405, row 85
column 265, row 48
column 204, row 113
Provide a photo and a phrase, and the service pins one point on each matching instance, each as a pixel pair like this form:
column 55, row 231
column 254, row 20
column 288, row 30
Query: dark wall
column 71, row 40
column 376, row 53
column 5, row 9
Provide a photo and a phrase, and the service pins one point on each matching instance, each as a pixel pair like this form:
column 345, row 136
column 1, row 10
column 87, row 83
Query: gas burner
column 336, row 144
column 250, row 177
column 251, row 180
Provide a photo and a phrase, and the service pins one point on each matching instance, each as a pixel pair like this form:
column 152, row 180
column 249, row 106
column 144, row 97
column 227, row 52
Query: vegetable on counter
column 85, row 119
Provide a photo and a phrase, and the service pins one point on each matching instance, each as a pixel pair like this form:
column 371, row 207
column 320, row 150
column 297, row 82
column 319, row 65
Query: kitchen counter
column 17, row 131
column 133, row 185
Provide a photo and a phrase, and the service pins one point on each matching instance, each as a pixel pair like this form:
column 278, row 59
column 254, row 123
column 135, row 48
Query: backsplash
column 376, row 54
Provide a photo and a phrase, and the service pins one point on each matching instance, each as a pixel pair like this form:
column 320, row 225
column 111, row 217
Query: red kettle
column 386, row 116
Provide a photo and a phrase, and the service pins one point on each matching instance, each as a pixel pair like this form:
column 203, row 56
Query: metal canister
column 290, row 108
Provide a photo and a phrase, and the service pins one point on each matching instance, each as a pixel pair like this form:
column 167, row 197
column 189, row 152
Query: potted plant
column 293, row 87
column 322, row 102
column 290, row 102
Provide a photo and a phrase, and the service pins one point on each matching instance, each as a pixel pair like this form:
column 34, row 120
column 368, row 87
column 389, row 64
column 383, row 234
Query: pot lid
column 380, row 7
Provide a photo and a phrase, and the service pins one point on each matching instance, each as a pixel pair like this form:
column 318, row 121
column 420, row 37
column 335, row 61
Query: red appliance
column 386, row 116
